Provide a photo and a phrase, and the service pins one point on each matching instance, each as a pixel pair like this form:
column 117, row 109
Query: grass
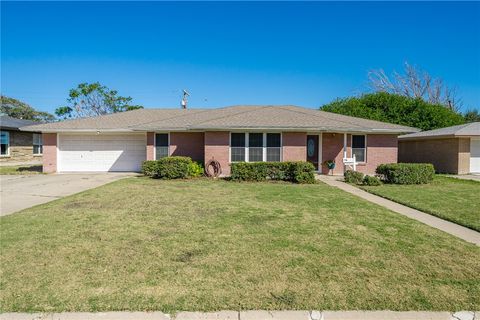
column 36, row 169
column 143, row 244
column 449, row 198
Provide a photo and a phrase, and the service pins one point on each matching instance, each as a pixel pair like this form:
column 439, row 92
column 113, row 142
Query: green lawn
column 20, row 169
column 452, row 199
column 143, row 244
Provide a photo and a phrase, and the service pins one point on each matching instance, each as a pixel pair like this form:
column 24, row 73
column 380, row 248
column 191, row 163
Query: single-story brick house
column 121, row 141
column 451, row 150
column 18, row 146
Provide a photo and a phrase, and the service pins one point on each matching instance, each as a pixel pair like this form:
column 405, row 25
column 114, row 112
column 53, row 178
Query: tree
column 472, row 115
column 393, row 108
column 415, row 83
column 20, row 110
column 94, row 99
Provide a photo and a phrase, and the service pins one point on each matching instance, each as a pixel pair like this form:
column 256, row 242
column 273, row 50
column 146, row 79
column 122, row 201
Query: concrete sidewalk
column 249, row 315
column 466, row 234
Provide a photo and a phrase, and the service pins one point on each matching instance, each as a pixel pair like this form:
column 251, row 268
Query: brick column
column 49, row 156
column 150, row 145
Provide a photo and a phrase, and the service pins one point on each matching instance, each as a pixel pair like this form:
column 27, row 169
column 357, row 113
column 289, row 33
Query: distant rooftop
column 468, row 129
column 7, row 122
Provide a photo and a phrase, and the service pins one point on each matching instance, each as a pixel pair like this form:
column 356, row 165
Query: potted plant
column 330, row 164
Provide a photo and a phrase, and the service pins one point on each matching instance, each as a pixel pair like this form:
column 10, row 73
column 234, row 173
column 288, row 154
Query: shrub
column 353, row 177
column 303, row 172
column 298, row 172
column 371, row 181
column 172, row 168
column 195, row 169
column 406, row 173
column 149, row 168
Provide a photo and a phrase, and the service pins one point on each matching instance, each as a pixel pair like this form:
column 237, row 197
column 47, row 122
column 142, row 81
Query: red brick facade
column 332, row 149
column 381, row 148
column 49, row 152
column 294, row 146
column 217, row 146
column 189, row 144
column 203, row 146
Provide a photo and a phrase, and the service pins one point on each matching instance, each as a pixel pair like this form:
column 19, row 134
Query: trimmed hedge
column 406, row 173
column 371, row 181
column 353, row 177
column 172, row 168
column 298, row 172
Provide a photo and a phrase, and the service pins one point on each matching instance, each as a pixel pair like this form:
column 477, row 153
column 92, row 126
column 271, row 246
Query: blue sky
column 225, row 53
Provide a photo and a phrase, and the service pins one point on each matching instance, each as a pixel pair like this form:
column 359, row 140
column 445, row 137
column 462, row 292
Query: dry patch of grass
column 452, row 199
column 142, row 244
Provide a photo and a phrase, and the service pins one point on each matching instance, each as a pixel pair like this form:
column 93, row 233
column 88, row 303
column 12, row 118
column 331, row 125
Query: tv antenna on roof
column 185, row 99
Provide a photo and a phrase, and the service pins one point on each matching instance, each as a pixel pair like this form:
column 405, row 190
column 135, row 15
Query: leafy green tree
column 94, row 99
column 393, row 108
column 20, row 110
column 472, row 116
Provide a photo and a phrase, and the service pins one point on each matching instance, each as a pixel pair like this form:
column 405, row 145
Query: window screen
column 273, row 146
column 161, row 145
column 358, row 147
column 237, row 147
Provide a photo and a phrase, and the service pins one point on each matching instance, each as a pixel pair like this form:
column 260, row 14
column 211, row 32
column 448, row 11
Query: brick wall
column 217, row 146
column 381, row 148
column 49, row 152
column 150, row 145
column 294, row 146
column 332, row 149
column 447, row 155
column 189, row 144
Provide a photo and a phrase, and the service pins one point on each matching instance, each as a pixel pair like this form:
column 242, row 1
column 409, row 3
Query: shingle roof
column 7, row 122
column 227, row 118
column 468, row 129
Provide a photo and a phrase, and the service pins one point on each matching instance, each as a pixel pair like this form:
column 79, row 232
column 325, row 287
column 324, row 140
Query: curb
column 250, row 315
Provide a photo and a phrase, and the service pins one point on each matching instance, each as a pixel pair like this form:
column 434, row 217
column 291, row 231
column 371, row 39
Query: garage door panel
column 116, row 152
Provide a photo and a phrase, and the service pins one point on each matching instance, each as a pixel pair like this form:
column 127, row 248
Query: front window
column 274, row 146
column 237, row 145
column 358, row 147
column 37, row 143
column 5, row 143
column 255, row 147
column 161, row 145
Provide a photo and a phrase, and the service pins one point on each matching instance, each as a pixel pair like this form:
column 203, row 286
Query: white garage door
column 101, row 152
column 475, row 155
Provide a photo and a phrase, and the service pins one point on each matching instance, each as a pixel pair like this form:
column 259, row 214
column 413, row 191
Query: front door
column 312, row 150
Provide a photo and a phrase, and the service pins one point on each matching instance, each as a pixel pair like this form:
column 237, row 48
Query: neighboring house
column 121, row 141
column 18, row 146
column 451, row 150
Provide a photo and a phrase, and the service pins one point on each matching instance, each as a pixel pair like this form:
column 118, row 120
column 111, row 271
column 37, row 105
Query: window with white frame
column 237, row 147
column 359, row 147
column 161, row 145
column 37, row 143
column 255, row 147
column 274, row 146
column 5, row 143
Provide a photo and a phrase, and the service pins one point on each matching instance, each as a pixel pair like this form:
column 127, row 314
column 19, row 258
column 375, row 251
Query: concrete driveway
column 18, row 192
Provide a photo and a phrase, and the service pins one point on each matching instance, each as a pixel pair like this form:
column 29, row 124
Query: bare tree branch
column 415, row 83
